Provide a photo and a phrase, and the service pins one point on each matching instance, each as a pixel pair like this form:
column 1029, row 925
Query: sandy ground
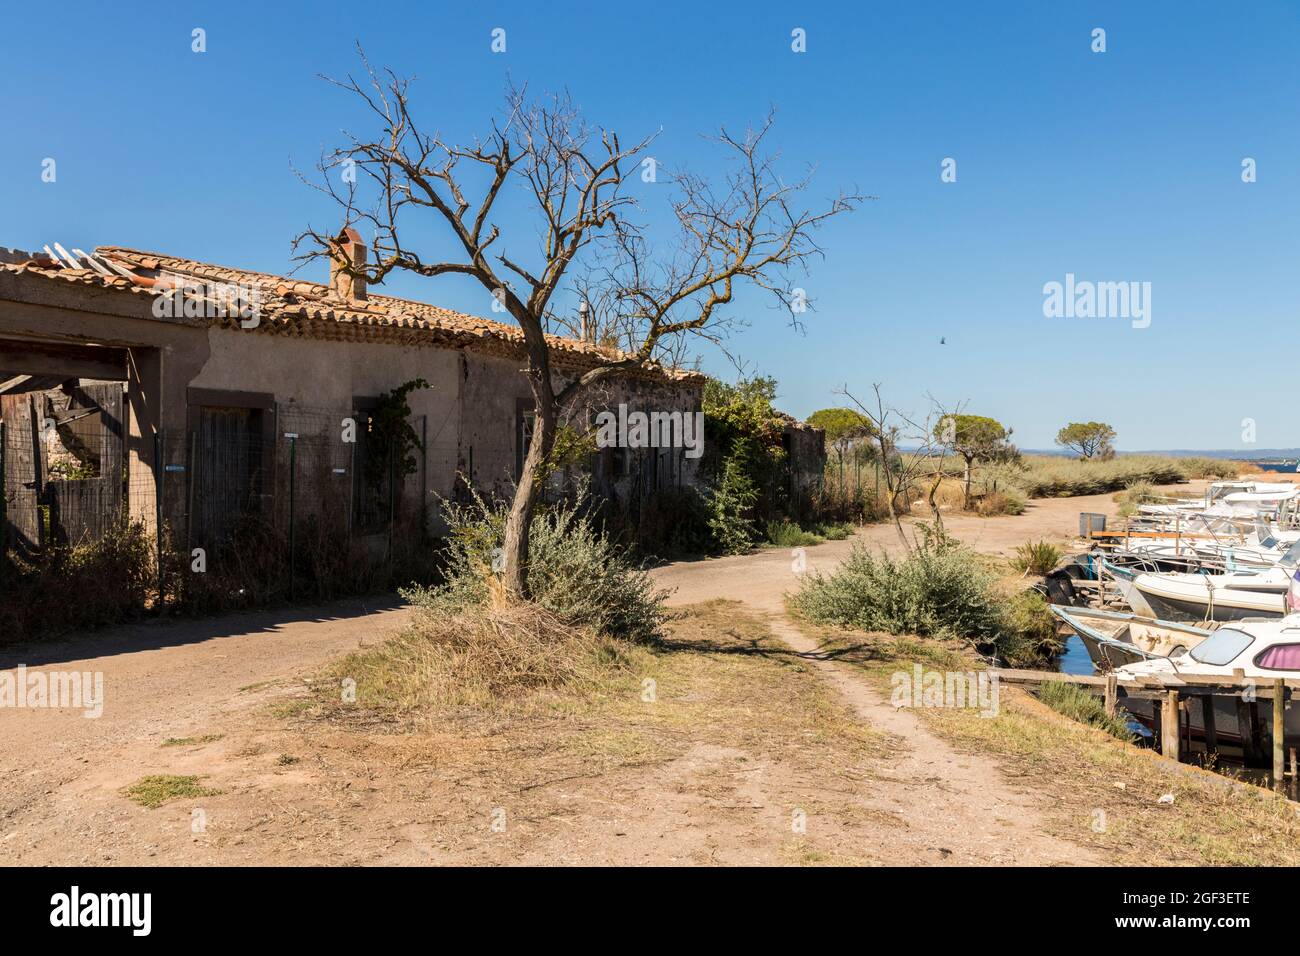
column 379, row 800
column 948, row 799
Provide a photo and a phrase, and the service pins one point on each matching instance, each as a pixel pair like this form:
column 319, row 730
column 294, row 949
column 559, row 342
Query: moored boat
column 1116, row 638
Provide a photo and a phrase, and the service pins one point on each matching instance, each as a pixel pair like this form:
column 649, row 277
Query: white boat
column 1114, row 638
column 1227, row 596
column 1230, row 596
column 1259, row 650
column 1228, row 499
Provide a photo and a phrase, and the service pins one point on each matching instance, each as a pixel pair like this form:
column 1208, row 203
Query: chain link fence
column 244, row 507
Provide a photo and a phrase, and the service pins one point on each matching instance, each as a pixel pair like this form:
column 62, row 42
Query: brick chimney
column 348, row 250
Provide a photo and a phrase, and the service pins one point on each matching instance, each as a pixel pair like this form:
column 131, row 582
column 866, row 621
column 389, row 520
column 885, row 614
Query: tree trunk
column 934, row 504
column 519, row 521
column 965, row 504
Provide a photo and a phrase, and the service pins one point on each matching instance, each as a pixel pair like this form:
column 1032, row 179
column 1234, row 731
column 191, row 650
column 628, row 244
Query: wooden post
column 1207, row 718
column 1171, row 725
column 1112, row 693
column 1244, row 730
column 1279, row 732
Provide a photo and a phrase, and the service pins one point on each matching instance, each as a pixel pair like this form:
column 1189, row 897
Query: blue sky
column 1115, row 166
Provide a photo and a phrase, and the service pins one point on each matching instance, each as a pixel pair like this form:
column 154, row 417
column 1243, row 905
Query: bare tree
column 751, row 229
column 903, row 467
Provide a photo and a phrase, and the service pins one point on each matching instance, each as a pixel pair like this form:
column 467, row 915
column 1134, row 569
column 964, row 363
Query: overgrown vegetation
column 471, row 645
column 1046, row 476
column 482, row 657
column 1036, row 557
column 941, row 590
column 114, row 580
column 1138, row 493
column 579, row 575
column 82, row 587
column 1077, row 704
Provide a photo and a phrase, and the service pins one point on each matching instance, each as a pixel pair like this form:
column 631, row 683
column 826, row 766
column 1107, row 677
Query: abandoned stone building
column 196, row 387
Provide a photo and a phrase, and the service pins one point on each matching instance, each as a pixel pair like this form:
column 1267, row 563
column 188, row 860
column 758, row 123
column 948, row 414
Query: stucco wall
column 471, row 410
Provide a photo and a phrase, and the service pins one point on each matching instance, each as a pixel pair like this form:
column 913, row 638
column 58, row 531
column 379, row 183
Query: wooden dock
column 1175, row 693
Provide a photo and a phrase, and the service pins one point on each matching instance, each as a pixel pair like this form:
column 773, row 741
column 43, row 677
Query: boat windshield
column 1292, row 556
column 1221, row 647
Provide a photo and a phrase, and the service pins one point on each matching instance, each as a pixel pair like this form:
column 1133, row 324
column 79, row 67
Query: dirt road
column 161, row 680
column 957, row 802
column 297, row 795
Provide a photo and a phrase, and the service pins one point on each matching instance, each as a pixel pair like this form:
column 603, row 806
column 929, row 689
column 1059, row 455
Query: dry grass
column 155, row 790
column 191, row 741
column 482, row 658
column 700, row 745
column 1100, row 792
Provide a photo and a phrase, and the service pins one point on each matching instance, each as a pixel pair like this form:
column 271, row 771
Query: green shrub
column 1036, row 557
column 730, row 501
column 787, row 534
column 833, row 531
column 941, row 590
column 575, row 572
column 1031, row 629
column 1077, row 704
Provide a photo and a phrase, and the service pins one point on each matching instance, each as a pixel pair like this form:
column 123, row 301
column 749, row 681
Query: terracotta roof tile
column 309, row 309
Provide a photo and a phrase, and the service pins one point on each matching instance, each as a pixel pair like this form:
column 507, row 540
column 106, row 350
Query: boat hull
column 1173, row 608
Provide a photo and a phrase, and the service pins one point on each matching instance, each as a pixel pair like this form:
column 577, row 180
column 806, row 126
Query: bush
column 730, row 500
column 787, row 534
column 834, row 531
column 1005, row 502
column 575, row 572
column 1031, row 628
column 1215, row 468
column 1077, row 704
column 1138, row 493
column 941, row 590
column 69, row 589
column 1036, row 557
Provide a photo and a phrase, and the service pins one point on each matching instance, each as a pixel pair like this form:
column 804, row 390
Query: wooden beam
column 1243, row 731
column 66, row 361
column 1279, row 733
column 1112, row 693
column 1170, row 725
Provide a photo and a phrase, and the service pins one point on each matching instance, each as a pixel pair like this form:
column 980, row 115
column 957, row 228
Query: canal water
column 1075, row 659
